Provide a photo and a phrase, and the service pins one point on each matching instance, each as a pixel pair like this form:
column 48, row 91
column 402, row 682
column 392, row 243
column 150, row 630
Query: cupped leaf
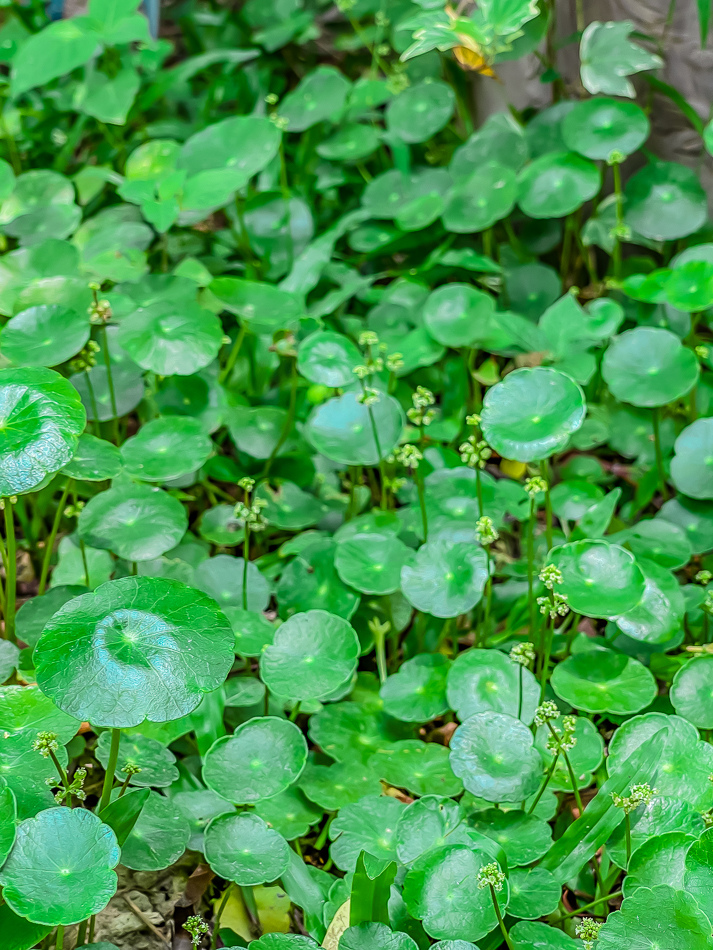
column 659, row 860
column 600, row 680
column 530, row 935
column 533, row 893
column 262, row 758
column 422, row 768
column 660, row 816
column 328, row 358
column 291, row 813
column 417, row 692
column 599, row 579
column 659, row 613
column 155, row 761
column 653, row 912
column 524, row 838
column 45, row 335
column 134, row 649
column 135, row 521
column 244, row 145
column 692, row 692
column 348, row 431
column 445, row 579
column 159, row 837
column 222, row 577
column 649, row 367
column 556, row 184
column 8, row 820
column 372, row 563
column 253, row 631
column 94, row 460
column 368, row 825
column 420, row 111
column 601, row 126
column 698, row 872
column 532, row 413
column 692, row 463
column 665, row 201
column 494, row 756
column 311, row 656
column 489, row 681
column 34, row 613
column 61, row 867
column 478, row 200
column 458, row 314
column 370, row 936
column 166, row 448
column 42, row 419
column 170, row 337
column 244, row 849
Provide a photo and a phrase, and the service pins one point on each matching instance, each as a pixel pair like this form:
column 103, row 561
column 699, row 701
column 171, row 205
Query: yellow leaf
column 512, row 469
column 273, row 907
column 473, row 60
column 337, row 927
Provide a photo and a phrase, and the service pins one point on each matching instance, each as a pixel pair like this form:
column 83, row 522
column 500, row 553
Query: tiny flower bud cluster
column 491, row 876
column 703, row 577
column 45, row 743
column 409, row 456
column 485, row 531
column 251, row 515
column 554, row 606
column 475, row 452
column 196, row 927
column 394, row 362
column 72, row 511
column 587, row 929
column 707, row 604
column 246, row 483
column 473, row 419
column 547, row 712
column 421, row 413
column 369, row 396
column 86, row 358
column 130, row 769
column 535, row 485
column 551, row 575
column 99, row 312
column 638, row 795
column 523, row 653
column 565, row 740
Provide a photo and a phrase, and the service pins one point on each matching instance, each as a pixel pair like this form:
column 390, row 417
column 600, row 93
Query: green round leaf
column 477, row 201
column 288, row 507
column 534, row 893
column 445, row 579
column 524, row 838
column 222, row 578
column 351, row 143
column 372, row 563
column 61, row 868
column 532, row 413
column 42, row 418
column 649, row 367
column 220, row 526
column 157, row 764
column 342, row 429
column 698, row 872
column 320, row 95
column 665, row 201
column 346, row 731
column 242, row 848
column 601, row 126
column 262, row 758
column 648, row 914
column 375, row 937
column 659, row 860
column 166, row 448
column 311, row 656
column 311, row 581
column 494, row 756
column 661, row 541
column 660, row 816
column 422, row 768
column 417, row 692
column 458, row 314
column 600, row 680
column 136, row 522
column 8, row 820
column 44, row 336
column 170, row 337
column 529, row 935
column 556, row 184
column 659, row 613
column 94, row 460
column 692, row 463
column 368, row 825
column 328, row 359
column 416, row 114
column 129, row 389
column 440, row 891
column 334, row 786
column 243, row 144
column 159, row 837
column 253, row 632
column 34, row 613
column 690, row 286
column 291, row 813
column 199, row 807
column 134, row 649
column 692, row 692
column 279, row 941
column 489, row 681
column 585, row 757
column 599, row 579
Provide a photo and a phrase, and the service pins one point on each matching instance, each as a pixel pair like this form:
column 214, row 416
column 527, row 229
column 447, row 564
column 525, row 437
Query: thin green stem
column 93, row 404
column 589, row 906
column 659, row 454
column 422, row 504
column 380, row 650
column 246, row 558
column 233, row 355
column 124, row 787
column 295, row 711
column 519, row 691
column 531, row 567
column 10, row 571
column 85, row 563
column 501, row 922
column 92, row 926
column 289, row 420
column 627, row 833
column 62, row 774
column 49, row 544
column 218, row 915
column 548, row 632
column 546, row 781
column 110, row 770
column 570, row 770
column 110, row 384
column 82, row 933
column 616, row 254
column 60, row 937
column 547, row 475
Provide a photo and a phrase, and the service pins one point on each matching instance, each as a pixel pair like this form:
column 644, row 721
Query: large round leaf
column 262, row 758
column 8, row 820
column 34, row 613
column 648, row 366
column 534, row 892
column 458, row 314
column 94, row 460
column 135, row 521
column 441, row 891
column 556, row 184
column 489, row 681
column 420, row 767
column 532, row 413
column 601, row 126
column 61, row 868
column 494, row 756
column 692, row 692
column 692, row 463
column 659, row 613
column 599, row 681
column 41, row 418
column 166, row 448
column 657, row 918
column 532, row 935
column 46, row 335
column 367, row 825
column 352, row 433
column 477, row 201
column 159, row 837
column 328, row 358
column 243, row 144
column 375, row 937
column 599, row 579
column 445, row 579
column 372, row 563
column 157, row 763
column 417, row 692
column 311, row 656
column 524, row 838
column 665, row 201
column 244, row 849
column 171, row 337
column 420, row 111
column 134, row 649
column 222, row 578
column 698, row 872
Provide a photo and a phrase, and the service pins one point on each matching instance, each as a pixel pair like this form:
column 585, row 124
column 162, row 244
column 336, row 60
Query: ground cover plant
column 356, row 466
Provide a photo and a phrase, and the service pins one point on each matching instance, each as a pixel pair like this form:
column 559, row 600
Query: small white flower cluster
column 638, row 795
column 556, row 606
column 251, row 515
column 547, row 712
column 551, row 575
column 409, row 456
column 587, row 929
column 485, row 531
column 421, row 413
column 196, row 927
column 45, row 743
column 523, row 653
column 475, row 452
column 491, row 876
column 535, row 485
column 565, row 740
